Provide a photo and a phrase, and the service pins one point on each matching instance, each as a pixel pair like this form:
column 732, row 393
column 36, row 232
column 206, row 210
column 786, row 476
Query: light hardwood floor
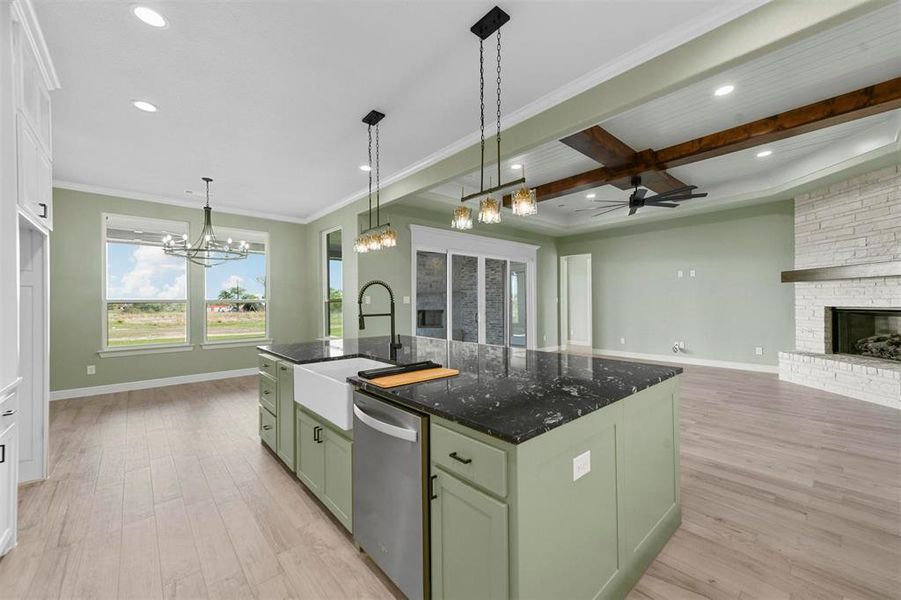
column 787, row 493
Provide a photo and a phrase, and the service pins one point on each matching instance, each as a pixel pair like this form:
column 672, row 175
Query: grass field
column 168, row 327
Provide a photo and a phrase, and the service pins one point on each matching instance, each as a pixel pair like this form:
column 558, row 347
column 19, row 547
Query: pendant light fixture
column 462, row 216
column 489, row 207
column 378, row 236
column 524, row 201
column 208, row 250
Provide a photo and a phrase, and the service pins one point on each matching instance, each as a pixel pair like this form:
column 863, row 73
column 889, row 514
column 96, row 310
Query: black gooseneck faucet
column 395, row 340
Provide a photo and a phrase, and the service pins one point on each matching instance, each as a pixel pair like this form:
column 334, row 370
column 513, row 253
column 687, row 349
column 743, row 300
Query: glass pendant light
column 378, row 236
column 489, row 211
column 462, row 218
column 208, row 250
column 524, row 202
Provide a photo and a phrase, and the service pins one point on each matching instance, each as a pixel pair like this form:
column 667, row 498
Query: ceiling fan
column 637, row 198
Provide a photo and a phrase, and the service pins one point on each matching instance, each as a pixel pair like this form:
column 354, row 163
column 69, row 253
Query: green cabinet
column 285, row 414
column 325, row 464
column 470, row 557
column 267, row 428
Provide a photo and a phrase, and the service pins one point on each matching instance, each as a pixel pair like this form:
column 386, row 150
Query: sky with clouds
column 136, row 272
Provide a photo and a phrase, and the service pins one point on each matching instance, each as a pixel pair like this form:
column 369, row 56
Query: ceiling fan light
column 462, row 218
column 524, row 202
column 489, row 211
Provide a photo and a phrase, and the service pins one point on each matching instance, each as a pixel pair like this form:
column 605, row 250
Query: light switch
column 92, row 370
column 680, row 274
column 406, row 299
column 582, row 465
column 622, row 340
column 758, row 351
column 691, row 273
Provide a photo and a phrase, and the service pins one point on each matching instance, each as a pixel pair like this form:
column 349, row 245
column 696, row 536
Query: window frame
column 106, row 349
column 206, row 342
column 324, row 288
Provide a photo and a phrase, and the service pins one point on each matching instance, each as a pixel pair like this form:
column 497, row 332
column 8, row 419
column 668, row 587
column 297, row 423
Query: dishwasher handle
column 401, row 433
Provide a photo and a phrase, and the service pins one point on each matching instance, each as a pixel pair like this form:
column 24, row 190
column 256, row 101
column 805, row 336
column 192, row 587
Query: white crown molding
column 687, row 360
column 132, row 195
column 721, row 14
column 149, row 383
column 24, row 10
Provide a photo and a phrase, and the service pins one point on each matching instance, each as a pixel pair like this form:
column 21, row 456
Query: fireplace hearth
column 875, row 333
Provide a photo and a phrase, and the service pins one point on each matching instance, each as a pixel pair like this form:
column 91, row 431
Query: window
column 333, row 290
column 236, row 292
column 145, row 293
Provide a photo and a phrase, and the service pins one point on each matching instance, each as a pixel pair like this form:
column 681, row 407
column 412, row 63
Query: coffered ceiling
column 266, row 96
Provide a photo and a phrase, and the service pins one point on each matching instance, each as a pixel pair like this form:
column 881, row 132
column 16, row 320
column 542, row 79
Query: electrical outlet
column 406, row 299
column 681, row 345
column 92, row 370
column 622, row 341
column 367, row 299
column 691, row 273
column 758, row 351
column 581, row 465
column 680, row 273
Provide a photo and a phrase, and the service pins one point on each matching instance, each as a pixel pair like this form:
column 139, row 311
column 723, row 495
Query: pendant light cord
column 482, row 111
column 498, row 106
column 369, row 130
column 378, row 186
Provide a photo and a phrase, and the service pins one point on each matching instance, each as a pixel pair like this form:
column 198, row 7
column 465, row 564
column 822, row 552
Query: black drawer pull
column 2, row 453
column 266, row 365
column 44, row 210
column 284, row 368
column 432, row 494
column 8, row 413
column 459, row 458
column 267, row 427
column 266, row 392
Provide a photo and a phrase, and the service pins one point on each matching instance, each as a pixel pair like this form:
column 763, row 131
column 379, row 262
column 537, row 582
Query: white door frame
column 565, row 339
column 442, row 241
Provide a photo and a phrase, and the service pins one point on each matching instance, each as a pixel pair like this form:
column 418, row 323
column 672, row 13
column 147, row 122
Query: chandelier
column 524, row 201
column 379, row 236
column 208, row 250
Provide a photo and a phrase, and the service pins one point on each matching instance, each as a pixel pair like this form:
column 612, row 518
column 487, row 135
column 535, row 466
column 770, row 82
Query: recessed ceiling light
column 144, row 105
column 366, row 168
column 764, row 153
column 724, row 90
column 149, row 16
column 589, row 196
column 516, row 167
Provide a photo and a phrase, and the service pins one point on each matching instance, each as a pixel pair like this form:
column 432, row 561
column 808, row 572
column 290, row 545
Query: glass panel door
column 431, row 294
column 465, row 298
column 496, row 301
column 518, row 313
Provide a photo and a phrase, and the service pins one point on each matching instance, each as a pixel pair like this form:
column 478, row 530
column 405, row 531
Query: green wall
column 75, row 293
column 393, row 265
column 735, row 303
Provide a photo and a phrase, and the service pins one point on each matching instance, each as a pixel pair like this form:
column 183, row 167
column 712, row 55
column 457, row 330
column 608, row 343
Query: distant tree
column 239, row 293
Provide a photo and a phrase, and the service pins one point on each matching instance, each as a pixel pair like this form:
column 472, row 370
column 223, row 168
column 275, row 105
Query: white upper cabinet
column 33, row 125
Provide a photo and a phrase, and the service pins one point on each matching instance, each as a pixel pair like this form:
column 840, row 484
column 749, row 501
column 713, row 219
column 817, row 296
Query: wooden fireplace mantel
column 865, row 271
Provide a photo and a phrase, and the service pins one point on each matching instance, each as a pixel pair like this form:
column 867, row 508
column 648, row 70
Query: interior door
column 578, row 300
column 518, row 293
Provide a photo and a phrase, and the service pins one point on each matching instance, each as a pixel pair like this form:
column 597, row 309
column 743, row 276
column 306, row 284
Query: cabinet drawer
column 268, row 394
column 470, row 459
column 267, row 428
column 267, row 365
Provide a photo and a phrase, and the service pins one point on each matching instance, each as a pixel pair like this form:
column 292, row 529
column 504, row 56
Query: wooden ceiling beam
column 602, row 146
column 858, row 104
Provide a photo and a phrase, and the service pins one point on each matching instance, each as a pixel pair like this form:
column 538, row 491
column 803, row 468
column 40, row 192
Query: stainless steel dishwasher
column 390, row 501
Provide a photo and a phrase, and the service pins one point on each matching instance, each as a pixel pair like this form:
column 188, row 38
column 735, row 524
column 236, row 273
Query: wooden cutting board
column 413, row 377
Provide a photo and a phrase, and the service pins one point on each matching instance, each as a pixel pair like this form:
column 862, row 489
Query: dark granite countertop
column 512, row 394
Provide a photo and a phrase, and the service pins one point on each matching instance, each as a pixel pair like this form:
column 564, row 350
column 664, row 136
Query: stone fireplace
column 848, row 289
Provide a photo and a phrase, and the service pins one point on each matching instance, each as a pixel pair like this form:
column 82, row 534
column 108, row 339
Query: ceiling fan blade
column 676, row 192
column 664, row 204
column 604, row 212
column 639, row 193
column 611, row 201
column 633, row 210
column 686, row 197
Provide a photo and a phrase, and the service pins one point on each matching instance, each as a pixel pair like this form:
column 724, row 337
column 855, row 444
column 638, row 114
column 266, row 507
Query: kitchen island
column 549, row 475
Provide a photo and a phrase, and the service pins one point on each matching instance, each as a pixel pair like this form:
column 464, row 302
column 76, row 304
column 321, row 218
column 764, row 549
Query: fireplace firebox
column 867, row 332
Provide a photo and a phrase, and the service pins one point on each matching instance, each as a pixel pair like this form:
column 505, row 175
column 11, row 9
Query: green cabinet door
column 337, row 489
column 310, row 463
column 469, row 541
column 285, row 414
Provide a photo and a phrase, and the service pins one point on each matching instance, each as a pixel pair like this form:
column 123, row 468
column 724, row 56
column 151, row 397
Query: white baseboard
column 688, row 360
column 549, row 349
column 149, row 383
